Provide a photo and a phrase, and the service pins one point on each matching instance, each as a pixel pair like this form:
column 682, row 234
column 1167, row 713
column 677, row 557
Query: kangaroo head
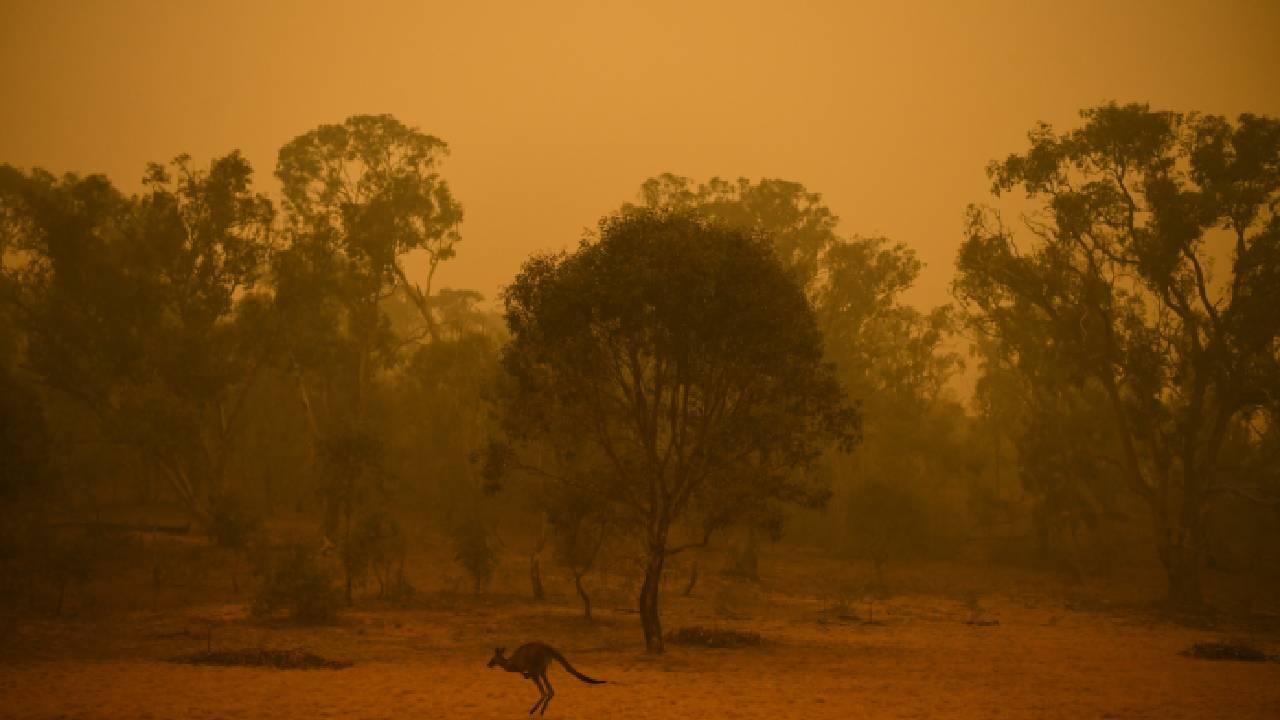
column 497, row 660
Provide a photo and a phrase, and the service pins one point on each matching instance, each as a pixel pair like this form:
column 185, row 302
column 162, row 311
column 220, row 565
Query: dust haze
column 639, row 360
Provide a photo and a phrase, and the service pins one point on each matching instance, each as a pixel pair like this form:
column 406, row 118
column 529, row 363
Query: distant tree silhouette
column 137, row 308
column 359, row 197
column 890, row 356
column 1113, row 283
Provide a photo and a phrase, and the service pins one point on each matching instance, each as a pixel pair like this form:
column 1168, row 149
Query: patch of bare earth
column 924, row 661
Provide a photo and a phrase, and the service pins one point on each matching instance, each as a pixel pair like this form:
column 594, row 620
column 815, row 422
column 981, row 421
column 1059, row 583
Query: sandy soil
column 1040, row 661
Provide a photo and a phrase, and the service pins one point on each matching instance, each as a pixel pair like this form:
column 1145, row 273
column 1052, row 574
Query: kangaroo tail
column 570, row 669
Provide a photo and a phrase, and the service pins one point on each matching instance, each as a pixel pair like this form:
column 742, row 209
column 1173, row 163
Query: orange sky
column 557, row 111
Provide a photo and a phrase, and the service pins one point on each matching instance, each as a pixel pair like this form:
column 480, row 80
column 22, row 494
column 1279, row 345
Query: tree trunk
column 693, row 580
column 582, row 593
column 1179, row 544
column 346, row 548
column 1181, row 559
column 535, row 579
column 748, row 565
column 649, row 591
column 196, row 504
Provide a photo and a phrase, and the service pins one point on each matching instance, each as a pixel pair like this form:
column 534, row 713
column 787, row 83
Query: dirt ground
column 1041, row 660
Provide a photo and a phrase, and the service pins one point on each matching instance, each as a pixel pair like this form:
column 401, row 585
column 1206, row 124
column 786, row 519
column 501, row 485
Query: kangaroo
column 531, row 660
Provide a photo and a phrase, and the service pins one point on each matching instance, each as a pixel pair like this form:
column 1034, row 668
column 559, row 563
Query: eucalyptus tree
column 894, row 358
column 1150, row 270
column 799, row 225
column 675, row 370
column 361, row 198
column 140, row 309
column 854, row 283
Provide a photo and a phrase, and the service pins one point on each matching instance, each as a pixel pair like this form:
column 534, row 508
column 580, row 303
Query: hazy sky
column 556, row 112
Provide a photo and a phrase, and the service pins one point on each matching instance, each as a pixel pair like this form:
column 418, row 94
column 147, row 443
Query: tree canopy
column 676, row 370
column 136, row 307
column 1113, row 285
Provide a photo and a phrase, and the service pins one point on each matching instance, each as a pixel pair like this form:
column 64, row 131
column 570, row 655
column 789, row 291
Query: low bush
column 297, row 584
column 233, row 523
column 261, row 657
column 1230, row 650
column 713, row 637
column 474, row 551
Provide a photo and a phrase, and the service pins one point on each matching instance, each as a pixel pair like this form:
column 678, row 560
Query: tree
column 886, row 523
column 890, row 356
column 369, row 190
column 854, row 283
column 884, row 347
column 359, row 198
column 580, row 529
column 1116, row 286
column 138, row 309
column 24, row 437
column 799, row 226
column 439, row 414
column 676, row 368
column 1063, row 443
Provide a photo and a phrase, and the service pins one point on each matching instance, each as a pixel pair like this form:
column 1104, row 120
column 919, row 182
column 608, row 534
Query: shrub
column 232, row 522
column 294, row 659
column 1230, row 650
column 473, row 550
column 713, row 637
column 298, row 584
column 377, row 547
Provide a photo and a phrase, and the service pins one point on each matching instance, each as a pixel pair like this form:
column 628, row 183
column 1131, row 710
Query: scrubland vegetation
column 709, row 452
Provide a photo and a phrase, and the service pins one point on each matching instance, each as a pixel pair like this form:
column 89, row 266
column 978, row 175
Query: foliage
column 377, row 547
column 890, row 356
column 580, row 531
column 886, row 523
column 796, row 222
column 25, row 464
column 438, row 416
column 1115, row 291
column 884, row 347
column 689, row 362
column 474, row 550
column 365, row 193
column 129, row 305
column 296, row 582
column 43, row 566
column 233, row 522
column 854, row 283
column 351, row 464
column 359, row 198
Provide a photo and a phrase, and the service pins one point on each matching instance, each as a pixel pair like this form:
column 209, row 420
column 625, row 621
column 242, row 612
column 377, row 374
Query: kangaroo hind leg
column 542, row 693
column 551, row 692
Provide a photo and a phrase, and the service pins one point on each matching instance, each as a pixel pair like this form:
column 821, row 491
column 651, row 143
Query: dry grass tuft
column 1230, row 650
column 296, row 659
column 713, row 637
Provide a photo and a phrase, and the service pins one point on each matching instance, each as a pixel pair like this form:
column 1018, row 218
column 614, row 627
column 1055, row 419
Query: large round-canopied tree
column 670, row 370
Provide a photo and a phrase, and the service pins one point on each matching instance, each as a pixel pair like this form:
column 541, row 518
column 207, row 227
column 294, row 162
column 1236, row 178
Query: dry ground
column 1042, row 660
